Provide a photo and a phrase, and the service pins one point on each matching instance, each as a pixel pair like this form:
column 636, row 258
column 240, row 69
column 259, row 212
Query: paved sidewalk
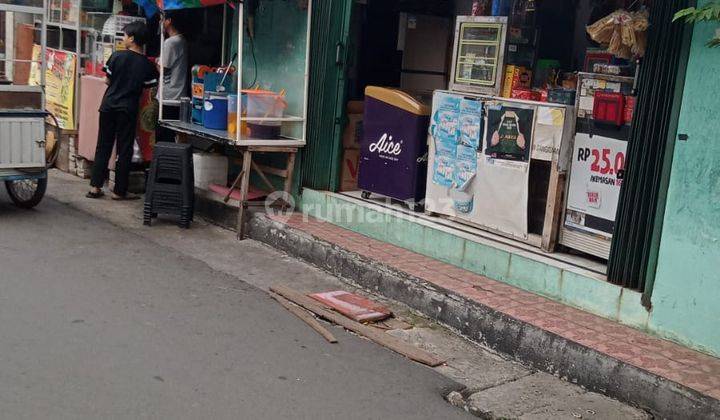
column 494, row 386
column 687, row 367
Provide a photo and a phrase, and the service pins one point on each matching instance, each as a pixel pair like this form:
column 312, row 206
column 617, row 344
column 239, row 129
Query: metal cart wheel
column 26, row 193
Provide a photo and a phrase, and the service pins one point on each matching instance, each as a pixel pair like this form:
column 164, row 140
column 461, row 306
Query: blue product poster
column 465, row 167
column 443, row 170
column 470, row 123
column 445, row 116
column 445, row 135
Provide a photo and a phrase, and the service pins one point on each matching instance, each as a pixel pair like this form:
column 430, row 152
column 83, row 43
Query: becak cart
column 22, row 118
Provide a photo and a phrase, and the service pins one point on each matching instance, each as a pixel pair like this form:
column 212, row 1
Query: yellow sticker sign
column 59, row 83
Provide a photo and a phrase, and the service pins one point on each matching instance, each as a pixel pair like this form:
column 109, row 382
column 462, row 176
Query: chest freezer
column 393, row 149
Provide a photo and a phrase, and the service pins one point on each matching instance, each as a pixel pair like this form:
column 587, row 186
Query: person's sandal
column 95, row 195
column 126, row 197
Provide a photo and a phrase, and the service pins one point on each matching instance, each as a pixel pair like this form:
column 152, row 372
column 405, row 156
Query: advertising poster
column 470, row 123
column 595, row 181
column 444, row 128
column 59, row 84
column 456, row 125
column 509, row 133
column 466, row 156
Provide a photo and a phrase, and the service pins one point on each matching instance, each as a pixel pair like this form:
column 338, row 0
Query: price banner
column 598, row 169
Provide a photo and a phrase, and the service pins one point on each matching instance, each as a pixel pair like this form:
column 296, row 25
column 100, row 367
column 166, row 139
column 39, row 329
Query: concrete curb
column 526, row 343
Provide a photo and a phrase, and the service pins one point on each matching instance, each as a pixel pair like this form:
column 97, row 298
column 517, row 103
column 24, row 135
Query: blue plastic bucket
column 215, row 110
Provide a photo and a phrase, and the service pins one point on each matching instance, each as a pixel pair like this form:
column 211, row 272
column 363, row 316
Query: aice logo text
column 387, row 146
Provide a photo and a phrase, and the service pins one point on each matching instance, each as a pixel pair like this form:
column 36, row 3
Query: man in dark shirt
column 128, row 73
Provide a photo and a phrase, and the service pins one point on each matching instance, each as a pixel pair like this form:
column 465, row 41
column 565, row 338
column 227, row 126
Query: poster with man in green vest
column 509, row 133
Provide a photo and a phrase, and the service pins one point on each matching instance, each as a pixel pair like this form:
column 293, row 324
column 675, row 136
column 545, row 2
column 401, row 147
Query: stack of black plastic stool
column 171, row 184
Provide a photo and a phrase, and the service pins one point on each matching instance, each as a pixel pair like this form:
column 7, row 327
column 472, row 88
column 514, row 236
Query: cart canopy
column 153, row 6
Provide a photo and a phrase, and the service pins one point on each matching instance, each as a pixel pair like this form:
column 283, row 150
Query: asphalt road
column 96, row 322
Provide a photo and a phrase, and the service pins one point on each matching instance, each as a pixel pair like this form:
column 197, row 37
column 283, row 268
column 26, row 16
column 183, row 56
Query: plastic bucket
column 264, row 104
column 215, row 111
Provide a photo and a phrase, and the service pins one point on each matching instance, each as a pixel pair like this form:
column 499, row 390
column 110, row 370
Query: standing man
column 174, row 61
column 128, row 73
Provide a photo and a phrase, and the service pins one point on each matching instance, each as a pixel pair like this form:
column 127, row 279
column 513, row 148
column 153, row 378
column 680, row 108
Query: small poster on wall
column 509, row 133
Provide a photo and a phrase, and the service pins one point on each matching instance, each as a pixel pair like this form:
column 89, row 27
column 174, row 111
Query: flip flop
column 126, row 197
column 95, row 195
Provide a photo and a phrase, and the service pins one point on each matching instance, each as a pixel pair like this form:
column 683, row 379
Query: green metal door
column 320, row 159
column 636, row 241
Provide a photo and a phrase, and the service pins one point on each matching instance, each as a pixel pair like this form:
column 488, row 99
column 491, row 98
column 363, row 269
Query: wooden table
column 186, row 131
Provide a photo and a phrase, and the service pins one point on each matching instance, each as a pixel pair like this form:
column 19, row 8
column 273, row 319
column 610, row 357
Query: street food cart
column 255, row 102
column 22, row 120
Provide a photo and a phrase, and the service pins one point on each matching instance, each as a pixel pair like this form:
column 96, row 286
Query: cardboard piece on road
column 305, row 316
column 374, row 334
column 353, row 306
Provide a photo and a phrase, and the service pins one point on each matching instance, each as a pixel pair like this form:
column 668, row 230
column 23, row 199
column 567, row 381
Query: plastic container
column 609, row 108
column 232, row 114
column 209, row 169
column 185, row 109
column 264, row 104
column 215, row 112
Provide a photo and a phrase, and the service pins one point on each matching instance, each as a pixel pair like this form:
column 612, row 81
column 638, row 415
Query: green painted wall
column 687, row 285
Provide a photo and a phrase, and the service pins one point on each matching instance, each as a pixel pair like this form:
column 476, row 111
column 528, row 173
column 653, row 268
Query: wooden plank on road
column 374, row 334
column 305, row 316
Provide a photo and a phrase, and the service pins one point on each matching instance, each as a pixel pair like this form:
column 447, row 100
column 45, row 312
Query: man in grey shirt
column 175, row 72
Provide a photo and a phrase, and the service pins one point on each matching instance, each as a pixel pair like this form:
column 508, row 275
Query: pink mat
column 253, row 194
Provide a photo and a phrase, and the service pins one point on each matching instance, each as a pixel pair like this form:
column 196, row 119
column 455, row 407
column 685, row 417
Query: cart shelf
column 224, row 137
column 287, row 118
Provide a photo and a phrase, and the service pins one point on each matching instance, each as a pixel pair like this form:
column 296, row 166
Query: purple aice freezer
column 393, row 150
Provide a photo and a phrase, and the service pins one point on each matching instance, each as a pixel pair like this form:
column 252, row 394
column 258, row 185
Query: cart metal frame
column 22, row 129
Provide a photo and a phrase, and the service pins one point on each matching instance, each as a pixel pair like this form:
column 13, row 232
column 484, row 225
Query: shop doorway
column 408, row 45
column 401, row 44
